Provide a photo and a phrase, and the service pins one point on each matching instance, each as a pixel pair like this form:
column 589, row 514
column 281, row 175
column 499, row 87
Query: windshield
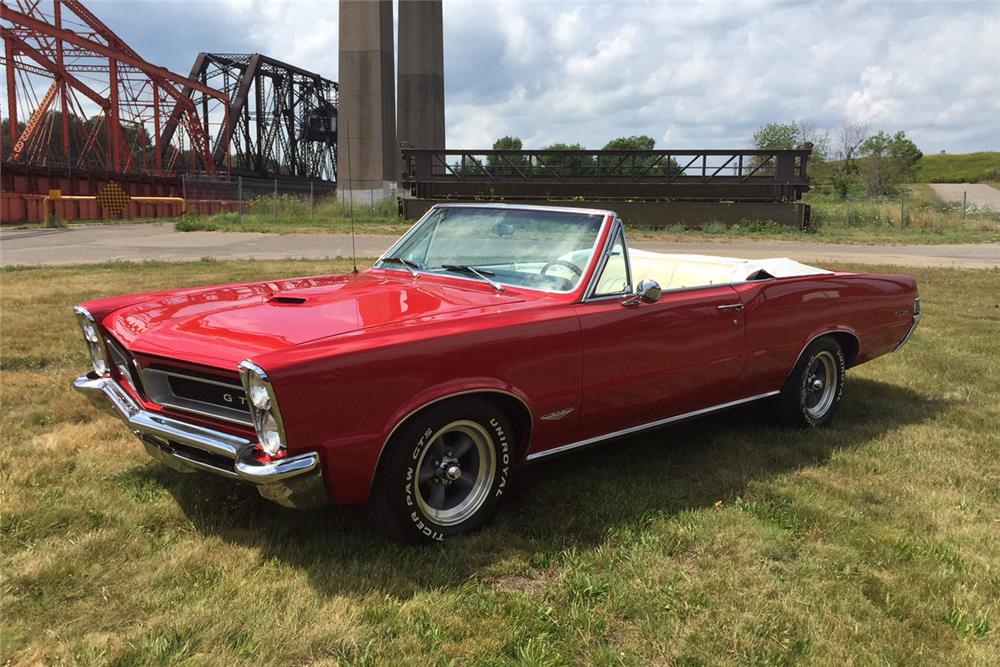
column 543, row 250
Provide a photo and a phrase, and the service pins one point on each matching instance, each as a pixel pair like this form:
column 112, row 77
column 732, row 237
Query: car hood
column 221, row 326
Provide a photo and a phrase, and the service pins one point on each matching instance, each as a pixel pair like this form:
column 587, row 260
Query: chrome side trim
column 647, row 426
column 557, row 415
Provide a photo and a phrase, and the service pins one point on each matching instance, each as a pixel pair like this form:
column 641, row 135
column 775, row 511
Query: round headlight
column 92, row 337
column 258, row 394
column 270, row 438
column 91, row 334
column 97, row 357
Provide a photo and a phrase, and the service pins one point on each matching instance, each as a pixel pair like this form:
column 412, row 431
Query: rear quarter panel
column 784, row 315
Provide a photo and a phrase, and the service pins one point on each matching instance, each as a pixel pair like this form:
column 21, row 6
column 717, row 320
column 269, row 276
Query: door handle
column 732, row 306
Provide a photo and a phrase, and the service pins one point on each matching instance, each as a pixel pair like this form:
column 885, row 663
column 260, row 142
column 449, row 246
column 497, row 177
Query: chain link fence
column 261, row 196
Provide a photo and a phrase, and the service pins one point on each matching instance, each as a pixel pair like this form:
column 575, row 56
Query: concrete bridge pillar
column 421, row 74
column 367, row 150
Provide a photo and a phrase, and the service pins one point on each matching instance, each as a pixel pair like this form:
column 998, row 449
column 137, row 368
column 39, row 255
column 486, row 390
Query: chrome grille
column 202, row 394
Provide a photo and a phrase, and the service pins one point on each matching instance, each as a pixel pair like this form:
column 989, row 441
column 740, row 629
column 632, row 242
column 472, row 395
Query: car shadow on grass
column 571, row 502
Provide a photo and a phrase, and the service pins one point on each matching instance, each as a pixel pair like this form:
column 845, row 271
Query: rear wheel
column 811, row 394
column 444, row 472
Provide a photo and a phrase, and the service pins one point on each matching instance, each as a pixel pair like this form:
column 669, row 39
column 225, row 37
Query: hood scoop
column 287, row 300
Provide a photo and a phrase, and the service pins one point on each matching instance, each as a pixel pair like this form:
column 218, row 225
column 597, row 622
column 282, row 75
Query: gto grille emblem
column 229, row 398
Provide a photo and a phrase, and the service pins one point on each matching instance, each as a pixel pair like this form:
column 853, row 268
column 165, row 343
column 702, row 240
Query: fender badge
column 556, row 416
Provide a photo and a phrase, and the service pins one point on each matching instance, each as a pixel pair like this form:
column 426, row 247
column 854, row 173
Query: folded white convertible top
column 778, row 267
column 686, row 270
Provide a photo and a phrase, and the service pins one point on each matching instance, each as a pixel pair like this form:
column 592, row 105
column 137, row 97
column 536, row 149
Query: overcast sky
column 689, row 74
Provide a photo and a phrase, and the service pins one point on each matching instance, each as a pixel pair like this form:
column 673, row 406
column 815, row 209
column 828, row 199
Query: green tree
column 650, row 166
column 508, row 143
column 776, row 137
column 848, row 140
column 572, row 165
column 634, row 143
column 773, row 137
column 789, row 136
column 905, row 154
column 508, row 164
column 888, row 162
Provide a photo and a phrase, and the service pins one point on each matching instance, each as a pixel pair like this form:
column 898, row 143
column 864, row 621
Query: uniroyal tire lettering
column 504, row 456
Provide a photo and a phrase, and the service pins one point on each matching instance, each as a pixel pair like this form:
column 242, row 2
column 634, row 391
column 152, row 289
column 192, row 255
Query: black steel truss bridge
column 659, row 175
column 282, row 119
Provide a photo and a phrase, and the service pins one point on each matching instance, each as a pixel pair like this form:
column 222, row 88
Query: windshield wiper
column 483, row 275
column 412, row 267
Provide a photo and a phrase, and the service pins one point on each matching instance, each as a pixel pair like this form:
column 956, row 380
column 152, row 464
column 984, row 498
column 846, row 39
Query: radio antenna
column 354, row 247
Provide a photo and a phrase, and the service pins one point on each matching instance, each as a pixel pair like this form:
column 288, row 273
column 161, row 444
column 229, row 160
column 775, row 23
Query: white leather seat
column 679, row 271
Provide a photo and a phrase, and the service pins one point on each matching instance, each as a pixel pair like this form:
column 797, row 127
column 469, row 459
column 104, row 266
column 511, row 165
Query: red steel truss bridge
column 79, row 100
column 80, row 107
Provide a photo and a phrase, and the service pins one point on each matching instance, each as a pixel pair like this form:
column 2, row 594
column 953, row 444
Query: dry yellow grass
column 721, row 541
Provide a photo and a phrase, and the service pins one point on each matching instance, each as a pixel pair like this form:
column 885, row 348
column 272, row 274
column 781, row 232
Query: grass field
column 959, row 167
column 980, row 167
column 720, row 541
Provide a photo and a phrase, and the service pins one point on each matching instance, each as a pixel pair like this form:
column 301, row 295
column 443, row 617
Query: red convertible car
column 486, row 337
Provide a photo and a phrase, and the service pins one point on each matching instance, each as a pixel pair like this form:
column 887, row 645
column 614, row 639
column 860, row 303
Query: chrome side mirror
column 648, row 291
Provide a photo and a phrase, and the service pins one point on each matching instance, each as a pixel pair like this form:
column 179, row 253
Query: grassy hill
column 959, row 168
column 940, row 168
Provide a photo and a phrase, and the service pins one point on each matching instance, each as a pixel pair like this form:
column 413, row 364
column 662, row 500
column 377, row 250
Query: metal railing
column 684, row 175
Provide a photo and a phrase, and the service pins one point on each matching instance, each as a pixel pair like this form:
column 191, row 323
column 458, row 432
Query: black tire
column 417, row 498
column 803, row 402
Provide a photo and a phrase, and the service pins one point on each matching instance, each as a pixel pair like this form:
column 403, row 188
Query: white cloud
column 708, row 74
column 688, row 74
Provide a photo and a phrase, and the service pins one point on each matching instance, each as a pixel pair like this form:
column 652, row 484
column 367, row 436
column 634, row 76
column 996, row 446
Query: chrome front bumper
column 292, row 482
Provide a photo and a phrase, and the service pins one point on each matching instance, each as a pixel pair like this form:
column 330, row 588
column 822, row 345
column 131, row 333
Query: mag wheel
column 444, row 472
column 820, row 387
column 811, row 394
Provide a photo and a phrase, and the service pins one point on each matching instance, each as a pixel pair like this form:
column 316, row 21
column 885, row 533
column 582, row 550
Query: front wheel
column 444, row 472
column 811, row 394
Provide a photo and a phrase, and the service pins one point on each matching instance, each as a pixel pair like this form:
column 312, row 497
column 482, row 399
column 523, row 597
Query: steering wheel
column 562, row 262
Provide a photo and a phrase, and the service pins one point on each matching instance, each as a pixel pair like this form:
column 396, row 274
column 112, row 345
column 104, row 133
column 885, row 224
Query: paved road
column 103, row 243
column 977, row 193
